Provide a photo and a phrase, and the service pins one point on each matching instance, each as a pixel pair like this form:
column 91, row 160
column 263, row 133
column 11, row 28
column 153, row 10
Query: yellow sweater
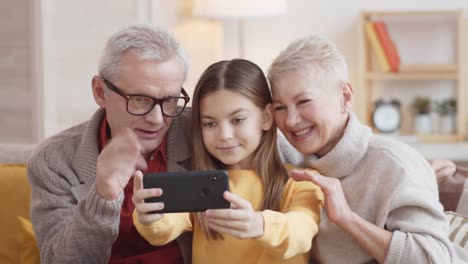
column 287, row 234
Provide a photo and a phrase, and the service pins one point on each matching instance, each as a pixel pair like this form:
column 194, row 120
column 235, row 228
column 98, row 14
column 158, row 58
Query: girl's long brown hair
column 247, row 79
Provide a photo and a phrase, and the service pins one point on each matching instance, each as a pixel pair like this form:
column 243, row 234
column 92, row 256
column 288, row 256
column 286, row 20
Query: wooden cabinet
column 430, row 46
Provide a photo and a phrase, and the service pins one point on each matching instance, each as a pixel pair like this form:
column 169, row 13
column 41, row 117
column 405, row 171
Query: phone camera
column 216, row 177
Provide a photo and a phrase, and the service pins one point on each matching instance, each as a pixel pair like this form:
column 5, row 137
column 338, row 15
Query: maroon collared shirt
column 130, row 247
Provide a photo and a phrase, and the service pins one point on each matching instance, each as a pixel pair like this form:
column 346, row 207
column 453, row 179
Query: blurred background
column 50, row 49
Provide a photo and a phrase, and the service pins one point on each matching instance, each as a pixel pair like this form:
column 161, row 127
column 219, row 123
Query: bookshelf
column 444, row 73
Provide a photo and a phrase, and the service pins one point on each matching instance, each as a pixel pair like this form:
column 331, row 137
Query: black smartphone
column 191, row 191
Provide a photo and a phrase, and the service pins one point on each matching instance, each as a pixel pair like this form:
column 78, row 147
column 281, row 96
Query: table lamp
column 238, row 10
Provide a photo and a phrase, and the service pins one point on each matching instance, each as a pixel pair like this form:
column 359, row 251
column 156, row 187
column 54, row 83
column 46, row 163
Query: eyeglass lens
column 141, row 105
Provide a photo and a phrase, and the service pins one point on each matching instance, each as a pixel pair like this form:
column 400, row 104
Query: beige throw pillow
column 458, row 229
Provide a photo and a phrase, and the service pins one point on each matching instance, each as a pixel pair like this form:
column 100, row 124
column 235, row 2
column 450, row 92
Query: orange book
column 376, row 46
column 390, row 50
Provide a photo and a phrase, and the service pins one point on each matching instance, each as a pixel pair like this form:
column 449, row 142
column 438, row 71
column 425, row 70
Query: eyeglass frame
column 156, row 101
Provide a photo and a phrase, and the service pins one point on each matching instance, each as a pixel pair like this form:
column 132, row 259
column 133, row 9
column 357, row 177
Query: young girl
column 272, row 219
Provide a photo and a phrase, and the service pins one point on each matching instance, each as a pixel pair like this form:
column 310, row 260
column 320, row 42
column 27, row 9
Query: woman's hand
column 145, row 211
column 373, row 239
column 336, row 205
column 443, row 168
column 239, row 221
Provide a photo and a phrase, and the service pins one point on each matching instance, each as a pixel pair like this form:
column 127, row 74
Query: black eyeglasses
column 140, row 104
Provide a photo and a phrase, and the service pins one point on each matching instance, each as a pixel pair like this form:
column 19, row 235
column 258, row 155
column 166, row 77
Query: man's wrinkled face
column 144, row 77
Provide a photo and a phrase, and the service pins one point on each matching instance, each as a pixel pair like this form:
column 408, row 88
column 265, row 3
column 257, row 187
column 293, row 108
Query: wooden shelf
column 448, row 12
column 423, row 137
column 438, row 137
column 428, row 68
column 403, row 76
column 373, row 76
column 455, row 151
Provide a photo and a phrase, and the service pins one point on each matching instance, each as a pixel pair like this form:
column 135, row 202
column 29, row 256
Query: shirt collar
column 105, row 135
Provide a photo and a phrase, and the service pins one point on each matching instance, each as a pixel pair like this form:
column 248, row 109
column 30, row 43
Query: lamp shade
column 238, row 8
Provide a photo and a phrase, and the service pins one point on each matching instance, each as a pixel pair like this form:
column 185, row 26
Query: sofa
column 18, row 244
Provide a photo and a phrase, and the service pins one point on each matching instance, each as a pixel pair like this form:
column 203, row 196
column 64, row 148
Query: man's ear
column 347, row 95
column 99, row 90
column 267, row 117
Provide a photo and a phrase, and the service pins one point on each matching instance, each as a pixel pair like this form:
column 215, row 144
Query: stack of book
column 383, row 46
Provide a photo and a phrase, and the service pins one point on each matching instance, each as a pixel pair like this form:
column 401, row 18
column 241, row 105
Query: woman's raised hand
column 443, row 168
column 336, row 205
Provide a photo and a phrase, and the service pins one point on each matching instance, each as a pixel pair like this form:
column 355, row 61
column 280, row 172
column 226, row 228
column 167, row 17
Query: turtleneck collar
column 345, row 156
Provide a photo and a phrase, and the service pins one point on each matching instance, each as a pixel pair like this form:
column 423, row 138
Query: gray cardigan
column 73, row 224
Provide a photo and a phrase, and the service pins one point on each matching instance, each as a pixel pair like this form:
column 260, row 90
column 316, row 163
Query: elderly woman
column 381, row 205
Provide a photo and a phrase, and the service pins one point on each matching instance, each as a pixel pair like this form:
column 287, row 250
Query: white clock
column 387, row 116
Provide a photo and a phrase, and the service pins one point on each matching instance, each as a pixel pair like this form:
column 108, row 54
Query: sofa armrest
column 15, row 153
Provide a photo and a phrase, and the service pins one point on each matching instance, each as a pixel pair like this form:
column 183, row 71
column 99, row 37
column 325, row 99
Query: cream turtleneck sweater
column 391, row 185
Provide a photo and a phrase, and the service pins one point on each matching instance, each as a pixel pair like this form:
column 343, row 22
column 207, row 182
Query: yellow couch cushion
column 29, row 253
column 14, row 194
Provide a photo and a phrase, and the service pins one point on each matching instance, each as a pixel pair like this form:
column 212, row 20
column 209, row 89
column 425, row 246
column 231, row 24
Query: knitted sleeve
column 419, row 226
column 66, row 228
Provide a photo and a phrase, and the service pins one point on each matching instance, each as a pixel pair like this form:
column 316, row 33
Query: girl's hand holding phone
column 145, row 211
column 240, row 221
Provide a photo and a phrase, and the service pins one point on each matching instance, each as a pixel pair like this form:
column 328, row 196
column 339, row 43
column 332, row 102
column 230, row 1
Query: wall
column 15, row 68
column 334, row 19
column 80, row 31
column 83, row 32
column 50, row 51
column 74, row 33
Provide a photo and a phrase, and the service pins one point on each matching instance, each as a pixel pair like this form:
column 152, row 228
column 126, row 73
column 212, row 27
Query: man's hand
column 239, row 221
column 117, row 163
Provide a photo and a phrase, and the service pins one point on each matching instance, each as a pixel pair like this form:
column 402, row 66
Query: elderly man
column 81, row 190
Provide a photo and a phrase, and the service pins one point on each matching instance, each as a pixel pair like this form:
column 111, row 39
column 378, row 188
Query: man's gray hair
column 147, row 42
column 313, row 56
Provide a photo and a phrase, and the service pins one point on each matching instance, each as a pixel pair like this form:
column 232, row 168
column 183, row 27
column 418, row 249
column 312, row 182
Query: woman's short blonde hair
column 313, row 56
